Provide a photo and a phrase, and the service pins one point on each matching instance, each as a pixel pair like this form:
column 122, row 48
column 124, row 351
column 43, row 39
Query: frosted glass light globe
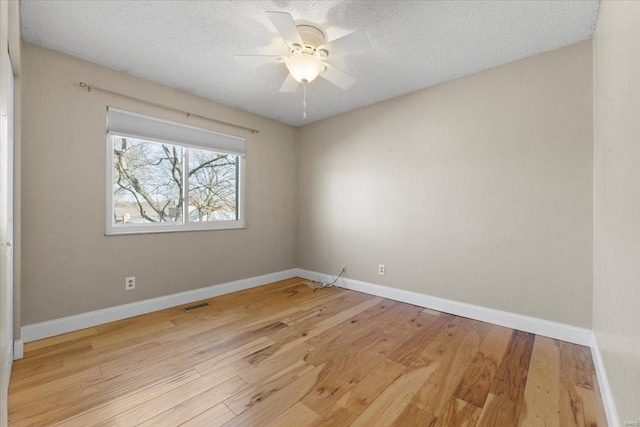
column 304, row 67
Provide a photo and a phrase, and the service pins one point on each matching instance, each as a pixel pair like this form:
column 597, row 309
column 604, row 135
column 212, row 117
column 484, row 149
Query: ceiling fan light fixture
column 304, row 67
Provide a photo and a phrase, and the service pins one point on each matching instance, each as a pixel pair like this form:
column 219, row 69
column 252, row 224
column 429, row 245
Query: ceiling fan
column 308, row 53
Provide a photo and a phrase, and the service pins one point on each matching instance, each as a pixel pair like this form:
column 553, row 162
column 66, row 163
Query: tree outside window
column 149, row 181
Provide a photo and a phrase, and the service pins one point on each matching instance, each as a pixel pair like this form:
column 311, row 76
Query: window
column 164, row 176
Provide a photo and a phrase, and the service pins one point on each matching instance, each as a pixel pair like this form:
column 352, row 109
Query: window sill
column 155, row 229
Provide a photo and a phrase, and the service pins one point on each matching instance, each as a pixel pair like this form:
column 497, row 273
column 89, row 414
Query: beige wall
column 477, row 190
column 616, row 305
column 68, row 265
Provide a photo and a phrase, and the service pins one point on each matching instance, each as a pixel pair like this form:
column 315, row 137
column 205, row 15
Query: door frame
column 6, row 229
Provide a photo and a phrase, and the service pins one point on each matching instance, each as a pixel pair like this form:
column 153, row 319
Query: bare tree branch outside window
column 148, row 183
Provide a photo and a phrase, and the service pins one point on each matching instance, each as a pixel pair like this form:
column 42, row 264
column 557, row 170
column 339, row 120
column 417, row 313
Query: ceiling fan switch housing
column 311, row 35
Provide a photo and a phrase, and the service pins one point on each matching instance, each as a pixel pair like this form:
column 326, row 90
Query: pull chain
column 304, row 100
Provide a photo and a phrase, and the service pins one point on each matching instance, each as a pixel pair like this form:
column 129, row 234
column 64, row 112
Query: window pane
column 147, row 181
column 213, row 180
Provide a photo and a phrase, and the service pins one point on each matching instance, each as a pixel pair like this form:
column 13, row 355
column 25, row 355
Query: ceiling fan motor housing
column 312, row 38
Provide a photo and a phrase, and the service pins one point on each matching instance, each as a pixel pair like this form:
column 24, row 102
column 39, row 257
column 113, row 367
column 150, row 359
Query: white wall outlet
column 130, row 283
column 382, row 270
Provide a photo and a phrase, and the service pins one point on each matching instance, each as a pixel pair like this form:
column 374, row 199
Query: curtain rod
column 90, row 87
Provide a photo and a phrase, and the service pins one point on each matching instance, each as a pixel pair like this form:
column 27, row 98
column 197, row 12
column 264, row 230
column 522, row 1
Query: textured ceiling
column 190, row 45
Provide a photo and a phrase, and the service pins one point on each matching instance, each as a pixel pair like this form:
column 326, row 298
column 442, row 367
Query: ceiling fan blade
column 338, row 77
column 351, row 43
column 289, row 85
column 255, row 61
column 286, row 26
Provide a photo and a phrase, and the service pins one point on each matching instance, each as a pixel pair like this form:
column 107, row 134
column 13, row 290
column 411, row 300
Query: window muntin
column 159, row 184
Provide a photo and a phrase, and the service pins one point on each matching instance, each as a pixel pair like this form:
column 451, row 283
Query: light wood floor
column 284, row 355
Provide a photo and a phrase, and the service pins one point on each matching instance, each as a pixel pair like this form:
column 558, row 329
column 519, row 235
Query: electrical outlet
column 382, row 269
column 129, row 283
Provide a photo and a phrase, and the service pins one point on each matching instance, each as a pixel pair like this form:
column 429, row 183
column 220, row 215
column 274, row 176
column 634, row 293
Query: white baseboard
column 603, row 381
column 511, row 320
column 533, row 325
column 18, row 349
column 86, row 320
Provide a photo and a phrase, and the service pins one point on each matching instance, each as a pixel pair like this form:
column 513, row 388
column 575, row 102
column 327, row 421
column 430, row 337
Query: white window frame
column 186, row 225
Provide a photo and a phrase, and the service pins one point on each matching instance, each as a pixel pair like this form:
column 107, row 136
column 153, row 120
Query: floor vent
column 195, row 307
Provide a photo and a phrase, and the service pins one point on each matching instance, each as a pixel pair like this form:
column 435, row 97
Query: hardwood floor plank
column 407, row 353
column 342, row 316
column 542, row 392
column 449, row 339
column 324, row 301
column 158, row 405
column 128, row 333
column 450, row 365
column 267, row 315
column 578, row 364
column 573, row 371
column 26, row 371
column 110, row 408
column 154, row 343
column 228, row 357
column 64, row 411
column 476, row 381
column 318, row 328
column 346, row 369
column 358, row 399
column 413, row 416
column 26, row 391
column 335, row 341
column 204, row 401
column 589, row 404
column 258, row 373
column 217, row 416
column 392, row 402
column 571, row 406
column 132, row 379
column 30, row 412
column 56, row 352
column 404, row 320
column 335, row 416
column 334, row 384
column 601, row 418
column 499, row 411
column 155, row 357
column 255, row 394
column 53, row 376
column 298, row 415
column 458, row 413
column 30, row 347
column 111, row 365
column 279, row 402
column 511, row 377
